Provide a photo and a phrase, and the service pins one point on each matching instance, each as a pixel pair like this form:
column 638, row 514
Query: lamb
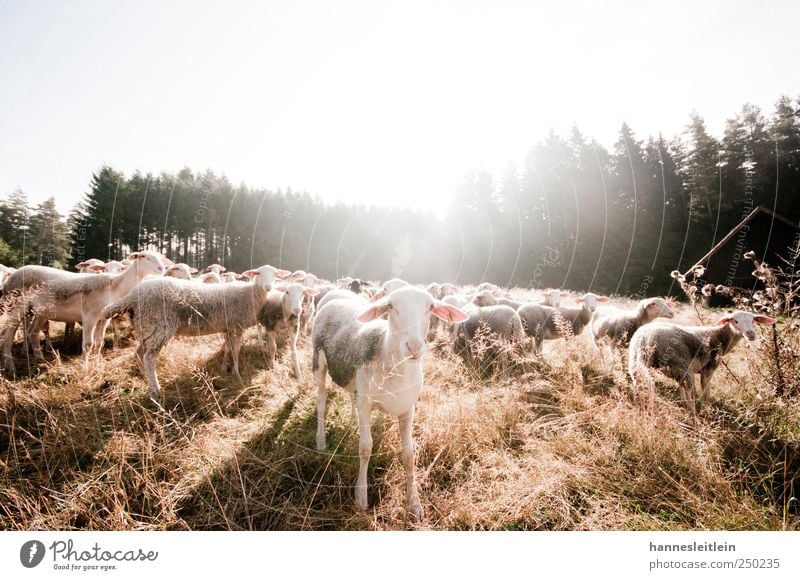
column 70, row 297
column 680, row 352
column 617, row 325
column 163, row 307
column 281, row 314
column 379, row 361
column 578, row 318
column 218, row 268
column 484, row 298
column 181, row 271
column 502, row 335
column 539, row 322
column 388, row 287
column 211, row 278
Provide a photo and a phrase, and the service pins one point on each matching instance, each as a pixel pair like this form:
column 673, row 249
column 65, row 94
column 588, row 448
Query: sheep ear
column 80, row 265
column 96, row 268
column 378, row 295
column 250, row 273
column 670, row 303
column 375, row 311
column 762, row 319
column 724, row 320
column 167, row 261
column 282, row 273
column 603, row 298
column 296, row 277
column 311, row 291
column 448, row 313
column 193, row 270
column 564, row 294
column 135, row 256
column 579, row 300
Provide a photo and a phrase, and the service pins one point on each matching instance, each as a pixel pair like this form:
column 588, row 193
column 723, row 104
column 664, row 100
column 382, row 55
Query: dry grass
column 557, row 443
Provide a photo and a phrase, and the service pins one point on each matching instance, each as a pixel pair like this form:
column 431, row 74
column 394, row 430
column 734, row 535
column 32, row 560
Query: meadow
column 559, row 442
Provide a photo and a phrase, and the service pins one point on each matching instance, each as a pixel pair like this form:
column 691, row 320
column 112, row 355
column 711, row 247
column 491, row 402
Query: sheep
column 218, row 268
column 540, row 322
column 210, row 278
column 356, row 285
column 70, row 297
column 115, row 267
column 484, row 298
column 230, row 277
column 90, row 265
column 488, row 336
column 181, row 271
column 379, row 361
column 578, row 318
column 680, row 352
column 281, row 314
column 163, row 307
column 618, row 325
column 434, row 289
column 388, row 287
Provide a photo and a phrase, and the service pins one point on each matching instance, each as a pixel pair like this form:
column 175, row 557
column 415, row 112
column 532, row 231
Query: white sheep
column 218, row 268
column 680, row 352
column 70, row 297
column 579, row 318
column 618, row 324
column 211, row 278
column 380, row 363
column 163, row 307
column 540, row 322
column 281, row 315
column 181, row 271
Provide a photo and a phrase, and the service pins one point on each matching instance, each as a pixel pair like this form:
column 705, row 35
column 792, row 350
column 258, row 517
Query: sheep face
column 181, row 271
column 219, row 269
column 590, row 300
column 115, row 267
column 553, row 297
column 409, row 310
column 388, row 288
column 91, row 265
column 744, row 323
column 265, row 275
column 293, row 299
column 147, row 263
column 658, row 307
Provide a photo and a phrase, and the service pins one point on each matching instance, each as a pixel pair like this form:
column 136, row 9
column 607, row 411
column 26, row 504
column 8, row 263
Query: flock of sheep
column 369, row 337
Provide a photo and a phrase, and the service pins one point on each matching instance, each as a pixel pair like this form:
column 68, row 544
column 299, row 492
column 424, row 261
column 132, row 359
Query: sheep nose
column 750, row 334
column 296, row 311
column 414, row 348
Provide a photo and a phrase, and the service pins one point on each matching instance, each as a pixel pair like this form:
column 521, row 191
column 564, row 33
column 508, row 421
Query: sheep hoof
column 361, row 497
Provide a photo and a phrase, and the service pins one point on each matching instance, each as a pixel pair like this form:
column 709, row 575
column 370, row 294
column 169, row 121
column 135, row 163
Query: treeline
column 575, row 215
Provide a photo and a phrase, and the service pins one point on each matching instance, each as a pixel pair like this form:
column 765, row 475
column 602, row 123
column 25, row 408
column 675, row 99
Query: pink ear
column 97, row 268
column 296, row 277
column 311, row 291
column 135, row 256
column 761, row 319
column 603, row 298
column 282, row 273
column 378, row 295
column 565, row 294
column 193, row 270
column 250, row 273
column 671, row 304
column 724, row 320
column 579, row 300
column 167, row 261
column 80, row 265
column 373, row 312
column 448, row 313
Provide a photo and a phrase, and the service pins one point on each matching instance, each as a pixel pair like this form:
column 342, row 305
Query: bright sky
column 368, row 101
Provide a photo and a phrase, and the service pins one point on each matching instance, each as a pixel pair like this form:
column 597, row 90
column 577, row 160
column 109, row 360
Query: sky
column 363, row 101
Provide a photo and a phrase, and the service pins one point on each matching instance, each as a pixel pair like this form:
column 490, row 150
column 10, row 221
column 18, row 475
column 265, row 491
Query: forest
column 575, row 215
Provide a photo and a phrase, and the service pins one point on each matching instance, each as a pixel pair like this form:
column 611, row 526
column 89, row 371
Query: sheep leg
column 69, row 329
column 138, row 357
column 319, row 378
column 272, row 348
column 295, row 360
column 406, row 424
column 99, row 336
column 8, row 341
column 364, row 412
column 236, row 346
column 353, row 412
column 705, row 385
column 149, row 361
column 115, row 326
column 35, row 325
column 686, row 384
